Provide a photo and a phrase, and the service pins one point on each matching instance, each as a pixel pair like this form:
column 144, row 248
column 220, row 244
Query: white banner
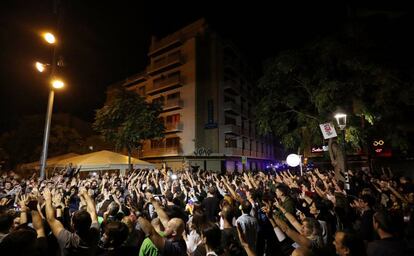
column 328, row 131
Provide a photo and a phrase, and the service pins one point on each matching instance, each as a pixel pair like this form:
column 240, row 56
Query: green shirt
column 148, row 248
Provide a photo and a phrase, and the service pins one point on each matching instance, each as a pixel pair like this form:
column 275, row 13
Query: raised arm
column 295, row 223
column 38, row 224
column 160, row 211
column 90, row 205
column 23, row 208
column 295, row 236
column 54, row 224
column 151, row 233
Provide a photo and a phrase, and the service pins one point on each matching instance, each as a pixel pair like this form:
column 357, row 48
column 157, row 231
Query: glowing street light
column 341, row 120
column 340, row 117
column 40, row 66
column 49, row 37
column 294, row 160
column 58, row 84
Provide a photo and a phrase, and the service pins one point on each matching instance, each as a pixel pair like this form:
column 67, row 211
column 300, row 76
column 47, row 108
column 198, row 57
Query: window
column 173, row 96
column 230, row 141
column 229, row 99
column 159, row 100
column 141, row 90
column 156, row 144
column 158, row 62
column 229, row 120
column 173, row 118
column 174, row 55
column 172, row 142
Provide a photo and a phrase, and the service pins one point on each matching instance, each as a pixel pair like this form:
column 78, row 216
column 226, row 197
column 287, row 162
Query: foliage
column 302, row 88
column 127, row 119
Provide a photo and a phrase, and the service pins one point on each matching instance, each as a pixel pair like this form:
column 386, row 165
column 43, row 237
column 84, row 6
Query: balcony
column 173, row 127
column 246, row 152
column 231, row 128
column 233, row 151
column 231, row 87
column 232, row 63
column 164, row 63
column 169, row 83
column 245, row 132
column 155, row 152
column 173, row 104
column 164, row 45
column 231, row 107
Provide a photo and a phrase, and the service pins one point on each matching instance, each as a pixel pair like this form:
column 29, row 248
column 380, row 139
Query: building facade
column 204, row 85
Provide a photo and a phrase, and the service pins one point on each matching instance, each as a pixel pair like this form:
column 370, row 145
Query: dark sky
column 105, row 41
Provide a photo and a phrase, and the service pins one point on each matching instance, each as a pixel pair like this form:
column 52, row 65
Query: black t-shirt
column 230, row 242
column 175, row 248
column 211, row 207
column 386, row 247
column 71, row 244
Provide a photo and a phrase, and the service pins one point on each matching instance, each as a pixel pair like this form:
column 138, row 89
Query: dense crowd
column 159, row 212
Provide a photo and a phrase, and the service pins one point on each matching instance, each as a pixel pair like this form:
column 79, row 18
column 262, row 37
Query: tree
column 302, row 88
column 24, row 144
column 127, row 120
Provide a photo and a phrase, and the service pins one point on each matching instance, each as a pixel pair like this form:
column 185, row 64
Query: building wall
column 212, row 72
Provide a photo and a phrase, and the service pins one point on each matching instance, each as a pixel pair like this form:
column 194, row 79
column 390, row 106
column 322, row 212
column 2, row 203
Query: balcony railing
column 231, row 128
column 173, row 127
column 164, row 44
column 231, row 62
column 245, row 132
column 164, row 84
column 173, row 104
column 152, row 152
column 246, row 152
column 232, row 86
column 233, row 151
column 231, row 107
column 169, row 60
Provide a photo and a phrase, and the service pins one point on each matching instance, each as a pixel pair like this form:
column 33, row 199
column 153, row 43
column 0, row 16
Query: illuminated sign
column 380, row 149
column 319, row 149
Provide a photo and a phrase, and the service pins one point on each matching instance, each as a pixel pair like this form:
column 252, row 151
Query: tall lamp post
column 55, row 84
column 341, row 121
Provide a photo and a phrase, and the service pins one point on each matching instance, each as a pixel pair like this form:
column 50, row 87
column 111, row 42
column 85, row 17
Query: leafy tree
column 127, row 120
column 302, row 88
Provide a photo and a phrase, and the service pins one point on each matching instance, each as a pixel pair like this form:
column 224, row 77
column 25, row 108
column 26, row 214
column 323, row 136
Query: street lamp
column 294, row 160
column 341, row 121
column 56, row 84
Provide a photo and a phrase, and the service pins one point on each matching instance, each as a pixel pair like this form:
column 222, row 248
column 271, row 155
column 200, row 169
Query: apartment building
column 205, row 87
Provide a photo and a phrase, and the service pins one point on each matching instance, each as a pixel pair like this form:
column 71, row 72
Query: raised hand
column 47, row 194
column 24, row 199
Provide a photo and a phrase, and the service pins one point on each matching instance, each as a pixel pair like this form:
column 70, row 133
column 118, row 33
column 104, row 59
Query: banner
column 328, row 131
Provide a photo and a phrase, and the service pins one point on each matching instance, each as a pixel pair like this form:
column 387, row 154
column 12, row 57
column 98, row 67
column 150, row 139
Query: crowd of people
column 160, row 212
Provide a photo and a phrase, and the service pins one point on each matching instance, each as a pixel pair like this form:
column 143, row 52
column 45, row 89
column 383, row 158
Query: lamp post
column 341, row 121
column 56, row 84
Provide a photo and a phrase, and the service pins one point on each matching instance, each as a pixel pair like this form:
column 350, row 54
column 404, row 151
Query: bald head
column 175, row 227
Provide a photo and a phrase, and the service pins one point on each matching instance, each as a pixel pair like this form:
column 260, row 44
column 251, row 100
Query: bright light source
column 174, row 176
column 293, row 160
column 94, row 173
column 57, row 84
column 341, row 120
column 49, row 37
column 40, row 66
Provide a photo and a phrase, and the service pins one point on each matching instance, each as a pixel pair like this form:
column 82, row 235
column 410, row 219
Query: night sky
column 105, row 41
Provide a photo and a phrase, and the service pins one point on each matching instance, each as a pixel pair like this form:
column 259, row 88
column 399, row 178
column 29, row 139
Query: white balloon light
column 293, row 160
